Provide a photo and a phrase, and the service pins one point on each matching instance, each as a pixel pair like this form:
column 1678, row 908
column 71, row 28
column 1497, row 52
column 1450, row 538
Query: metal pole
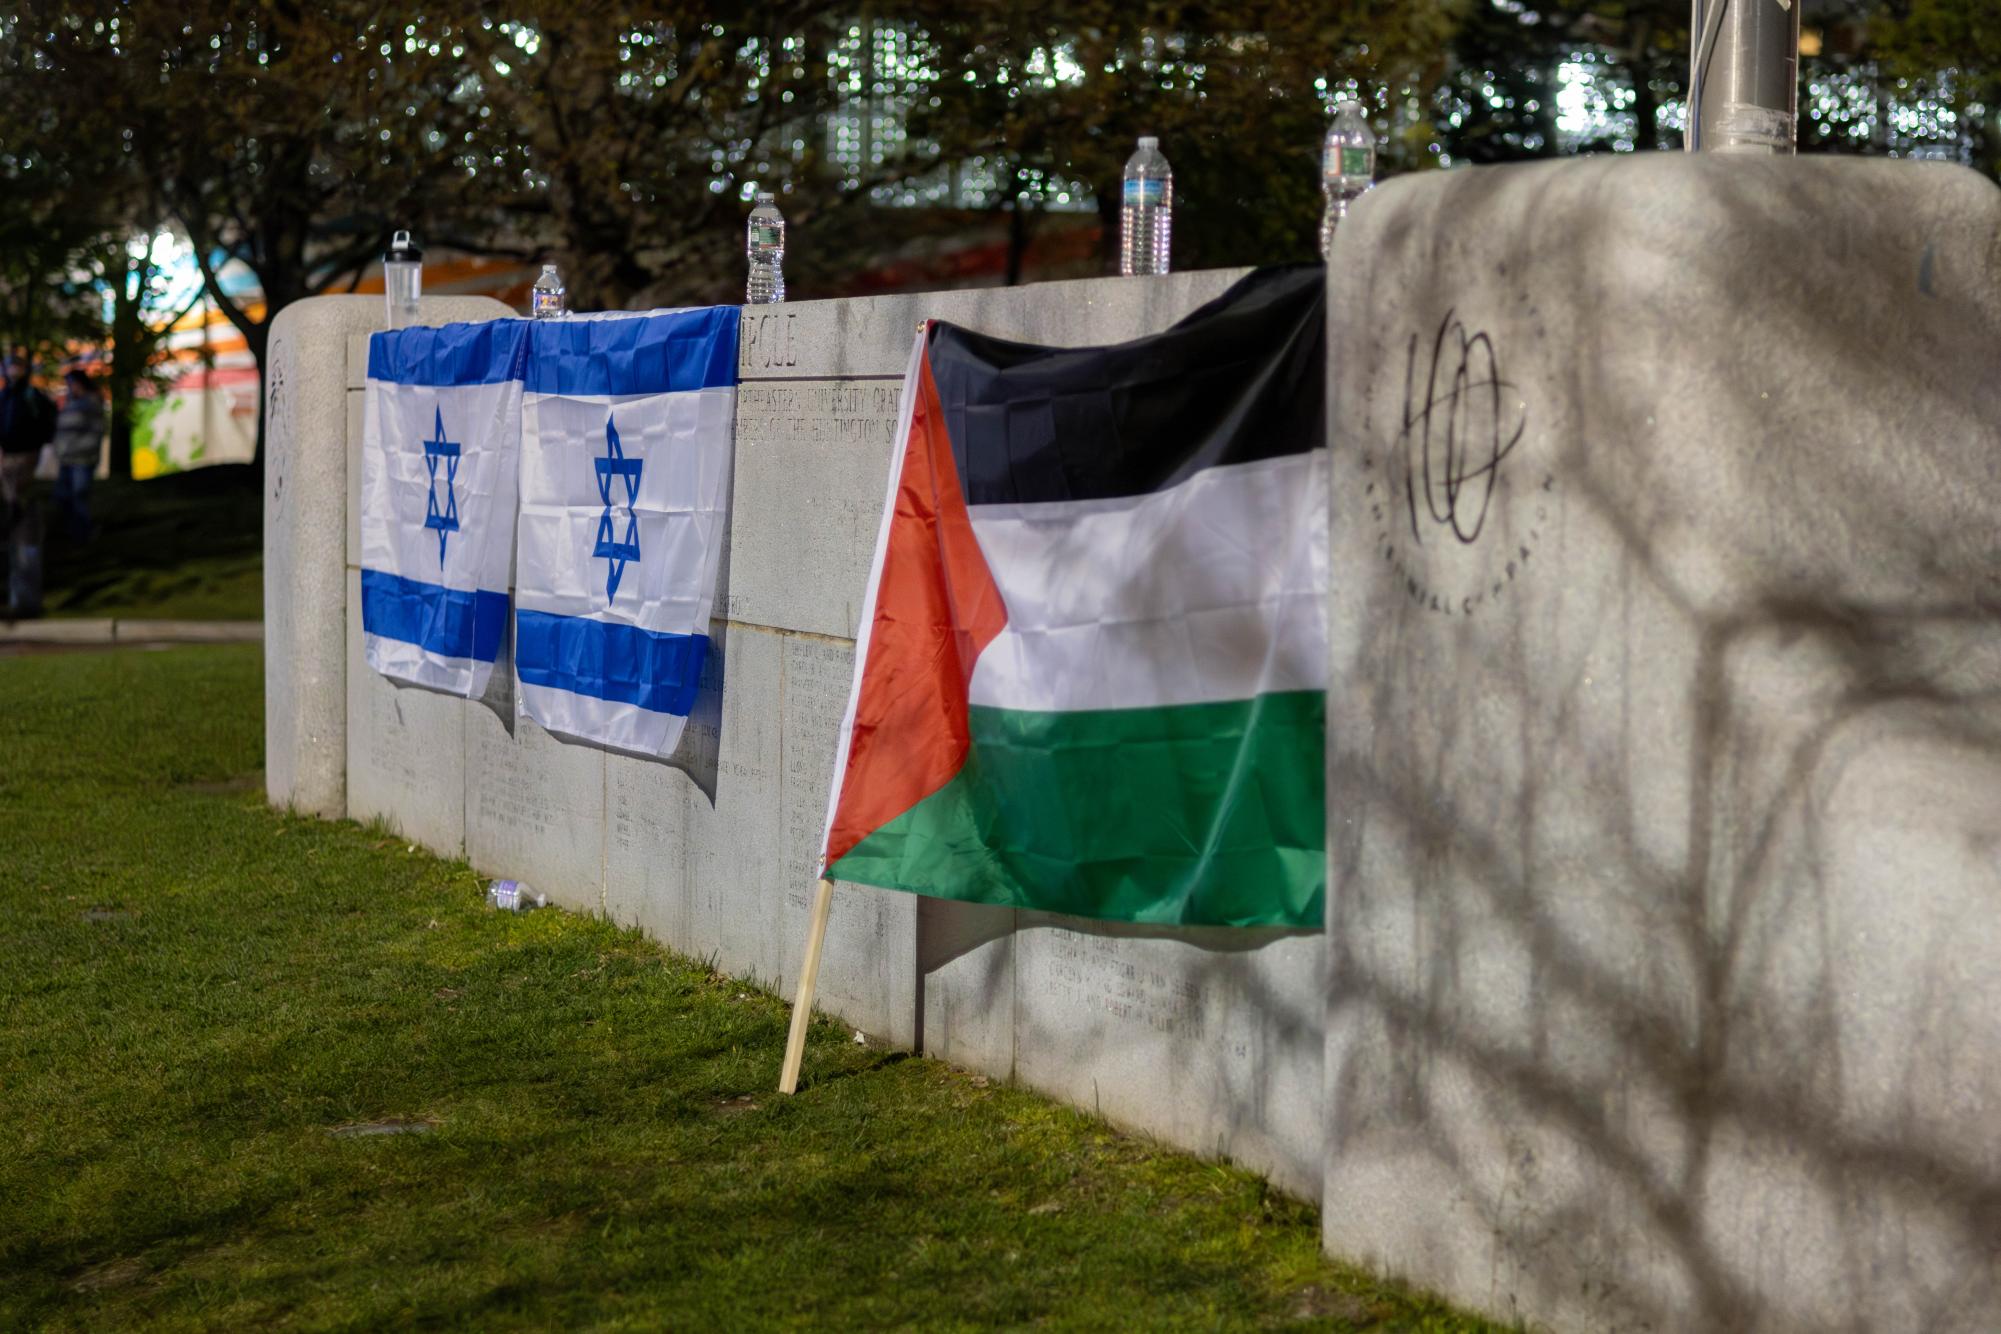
column 1743, row 84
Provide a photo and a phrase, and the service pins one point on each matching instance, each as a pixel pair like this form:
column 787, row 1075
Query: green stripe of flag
column 1122, row 813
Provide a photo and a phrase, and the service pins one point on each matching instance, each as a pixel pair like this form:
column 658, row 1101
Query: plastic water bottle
column 402, row 279
column 764, row 246
column 547, row 301
column 1347, row 167
column 1146, row 216
column 513, row 896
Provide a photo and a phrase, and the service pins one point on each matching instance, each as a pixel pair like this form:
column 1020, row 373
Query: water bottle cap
column 548, row 271
column 1148, row 141
column 765, row 197
column 1349, row 105
column 402, row 250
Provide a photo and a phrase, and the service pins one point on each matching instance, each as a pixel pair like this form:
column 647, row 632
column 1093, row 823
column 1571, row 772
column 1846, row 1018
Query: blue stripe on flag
column 646, row 354
column 620, row 663
column 485, row 353
column 451, row 622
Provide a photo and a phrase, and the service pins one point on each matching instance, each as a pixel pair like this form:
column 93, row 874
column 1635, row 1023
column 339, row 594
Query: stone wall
column 1209, row 1039
column 1665, row 743
column 1664, row 951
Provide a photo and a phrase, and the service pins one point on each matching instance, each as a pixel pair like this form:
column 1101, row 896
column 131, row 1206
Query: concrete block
column 647, row 847
column 735, row 868
column 534, row 806
column 751, row 855
column 405, row 750
column 187, row 632
column 966, row 970
column 868, row 972
column 356, row 409
column 656, row 810
column 82, row 630
column 731, row 876
column 1209, row 1038
column 1665, row 739
column 812, row 462
column 305, row 539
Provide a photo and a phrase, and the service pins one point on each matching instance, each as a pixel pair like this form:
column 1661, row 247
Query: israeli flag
column 627, row 428
column 441, row 436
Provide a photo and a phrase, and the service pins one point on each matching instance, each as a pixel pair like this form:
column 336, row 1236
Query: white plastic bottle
column 402, row 279
column 1146, row 213
column 546, row 303
column 1347, row 167
column 764, row 247
column 513, row 896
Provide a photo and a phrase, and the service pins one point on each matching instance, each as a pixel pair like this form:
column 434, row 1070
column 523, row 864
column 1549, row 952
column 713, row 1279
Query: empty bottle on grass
column 1146, row 214
column 1347, row 168
column 764, row 246
column 546, row 303
column 513, row 896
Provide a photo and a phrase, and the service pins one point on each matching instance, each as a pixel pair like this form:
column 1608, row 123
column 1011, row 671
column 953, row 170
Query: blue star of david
column 446, row 521
column 616, row 464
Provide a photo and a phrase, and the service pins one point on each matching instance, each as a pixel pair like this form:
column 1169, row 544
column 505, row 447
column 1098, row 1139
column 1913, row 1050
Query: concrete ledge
column 188, row 632
column 91, row 631
column 106, row 630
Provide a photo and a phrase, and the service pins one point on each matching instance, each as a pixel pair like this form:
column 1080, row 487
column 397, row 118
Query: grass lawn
column 189, row 546
column 206, row 1002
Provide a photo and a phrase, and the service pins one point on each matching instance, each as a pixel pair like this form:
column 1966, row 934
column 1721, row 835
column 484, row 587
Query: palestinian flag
column 1092, row 671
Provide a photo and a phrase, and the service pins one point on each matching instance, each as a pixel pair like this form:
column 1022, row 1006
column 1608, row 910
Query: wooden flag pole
column 802, row 1003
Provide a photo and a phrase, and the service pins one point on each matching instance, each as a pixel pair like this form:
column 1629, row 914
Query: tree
column 72, row 209
column 289, row 138
column 637, row 131
column 56, row 217
column 1054, row 97
column 1946, row 53
column 49, row 300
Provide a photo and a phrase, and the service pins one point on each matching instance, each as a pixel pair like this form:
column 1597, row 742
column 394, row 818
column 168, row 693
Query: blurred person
column 27, row 422
column 79, row 440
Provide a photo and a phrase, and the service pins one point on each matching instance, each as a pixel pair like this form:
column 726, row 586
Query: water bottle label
column 1355, row 162
column 1142, row 193
column 764, row 234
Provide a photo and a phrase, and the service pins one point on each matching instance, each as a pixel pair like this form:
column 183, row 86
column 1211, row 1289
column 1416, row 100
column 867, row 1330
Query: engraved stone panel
column 814, row 678
column 812, row 461
column 868, row 970
column 733, row 856
column 648, row 817
column 405, row 749
column 535, row 806
column 655, row 810
column 966, row 963
column 1208, row 1038
column 1659, row 995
